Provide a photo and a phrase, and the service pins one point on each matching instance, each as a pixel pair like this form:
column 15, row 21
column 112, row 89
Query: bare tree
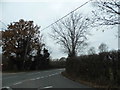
column 103, row 47
column 71, row 33
column 91, row 50
column 108, row 12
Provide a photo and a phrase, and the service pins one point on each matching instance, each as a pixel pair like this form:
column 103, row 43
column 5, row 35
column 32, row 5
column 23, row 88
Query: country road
column 39, row 80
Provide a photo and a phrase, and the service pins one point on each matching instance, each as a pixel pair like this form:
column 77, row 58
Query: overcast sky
column 45, row 12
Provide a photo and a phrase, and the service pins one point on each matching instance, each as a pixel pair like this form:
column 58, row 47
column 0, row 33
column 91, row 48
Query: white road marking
column 44, row 76
column 50, row 75
column 48, row 87
column 61, row 69
column 38, row 78
column 33, row 73
column 41, row 77
column 53, row 74
column 17, row 83
column 33, row 79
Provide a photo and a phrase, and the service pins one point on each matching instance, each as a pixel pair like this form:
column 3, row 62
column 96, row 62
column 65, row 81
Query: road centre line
column 17, row 83
column 33, row 79
column 34, row 73
column 36, row 79
column 48, row 87
column 44, row 76
column 50, row 75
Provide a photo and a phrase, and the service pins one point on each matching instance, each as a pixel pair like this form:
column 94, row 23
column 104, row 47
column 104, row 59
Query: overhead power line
column 3, row 23
column 66, row 15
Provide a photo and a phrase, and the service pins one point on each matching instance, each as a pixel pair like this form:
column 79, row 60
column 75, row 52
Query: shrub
column 102, row 68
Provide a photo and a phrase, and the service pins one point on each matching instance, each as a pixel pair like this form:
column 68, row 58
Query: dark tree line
column 40, row 61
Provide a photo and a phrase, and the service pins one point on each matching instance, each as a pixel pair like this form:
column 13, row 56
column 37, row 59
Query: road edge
column 90, row 84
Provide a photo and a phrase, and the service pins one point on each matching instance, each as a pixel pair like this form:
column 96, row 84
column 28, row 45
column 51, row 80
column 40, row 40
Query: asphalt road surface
column 39, row 79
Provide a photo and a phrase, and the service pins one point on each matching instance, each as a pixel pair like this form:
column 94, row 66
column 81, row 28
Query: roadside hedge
column 102, row 68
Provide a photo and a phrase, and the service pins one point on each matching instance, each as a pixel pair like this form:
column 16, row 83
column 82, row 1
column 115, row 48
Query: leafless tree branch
column 108, row 12
column 71, row 33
